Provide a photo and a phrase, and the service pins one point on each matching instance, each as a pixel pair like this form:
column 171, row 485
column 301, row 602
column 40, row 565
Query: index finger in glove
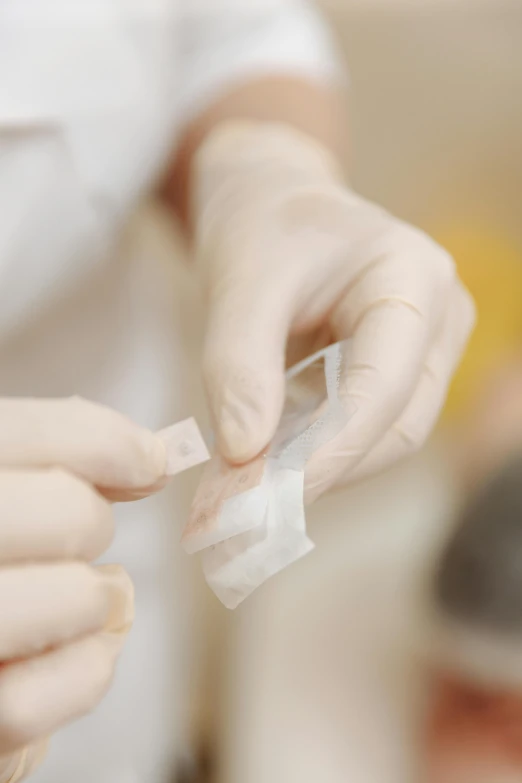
column 45, row 606
column 49, row 515
column 393, row 312
column 38, row 695
column 412, row 428
column 18, row 766
column 89, row 440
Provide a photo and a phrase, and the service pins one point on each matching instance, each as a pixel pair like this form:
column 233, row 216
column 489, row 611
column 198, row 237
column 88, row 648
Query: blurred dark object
column 474, row 725
column 479, row 580
column 197, row 769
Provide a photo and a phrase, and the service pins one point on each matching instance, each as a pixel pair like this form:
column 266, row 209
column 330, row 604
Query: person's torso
column 87, row 121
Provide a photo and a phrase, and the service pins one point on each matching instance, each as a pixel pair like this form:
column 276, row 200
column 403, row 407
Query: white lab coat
column 93, row 95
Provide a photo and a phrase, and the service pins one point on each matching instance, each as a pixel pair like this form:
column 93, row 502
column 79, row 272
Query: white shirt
column 93, row 96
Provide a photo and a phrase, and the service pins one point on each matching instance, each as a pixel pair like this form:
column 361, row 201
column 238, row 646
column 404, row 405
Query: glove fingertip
column 238, row 442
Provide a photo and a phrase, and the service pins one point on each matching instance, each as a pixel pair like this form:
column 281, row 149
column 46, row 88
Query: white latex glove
column 63, row 621
column 290, row 256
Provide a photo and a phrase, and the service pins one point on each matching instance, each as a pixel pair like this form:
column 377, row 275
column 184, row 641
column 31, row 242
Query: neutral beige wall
column 436, row 106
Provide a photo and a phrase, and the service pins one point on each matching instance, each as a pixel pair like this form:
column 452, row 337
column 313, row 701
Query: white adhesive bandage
column 249, row 521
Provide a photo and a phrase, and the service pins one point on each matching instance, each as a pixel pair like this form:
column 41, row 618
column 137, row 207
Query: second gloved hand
column 291, row 259
column 63, row 620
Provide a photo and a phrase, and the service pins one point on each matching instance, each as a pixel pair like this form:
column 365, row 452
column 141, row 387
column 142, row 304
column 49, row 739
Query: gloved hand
column 291, row 259
column 63, row 621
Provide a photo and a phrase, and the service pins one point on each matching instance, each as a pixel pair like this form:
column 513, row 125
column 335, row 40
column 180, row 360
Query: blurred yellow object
column 491, row 268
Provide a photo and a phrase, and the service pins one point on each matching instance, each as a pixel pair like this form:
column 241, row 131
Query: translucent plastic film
column 184, row 445
column 249, row 521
